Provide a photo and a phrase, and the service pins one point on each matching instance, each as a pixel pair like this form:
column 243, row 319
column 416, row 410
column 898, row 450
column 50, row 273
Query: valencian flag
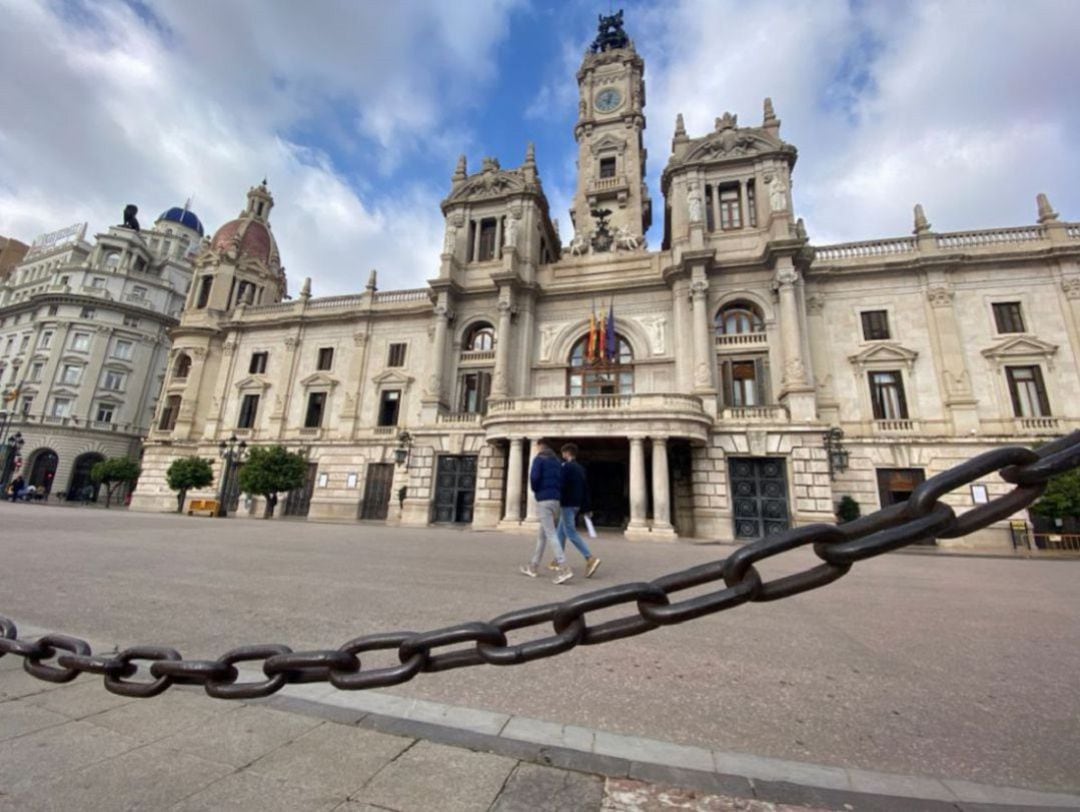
column 590, row 346
column 612, row 344
column 601, row 337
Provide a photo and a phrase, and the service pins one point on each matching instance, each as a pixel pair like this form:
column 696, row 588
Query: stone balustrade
column 869, row 248
column 895, row 426
column 754, row 414
column 740, row 340
column 458, row 418
column 659, row 402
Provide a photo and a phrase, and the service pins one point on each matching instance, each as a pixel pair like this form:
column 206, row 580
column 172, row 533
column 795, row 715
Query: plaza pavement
column 575, row 727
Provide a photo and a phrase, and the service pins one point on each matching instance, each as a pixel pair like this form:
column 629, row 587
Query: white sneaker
column 529, row 570
column 565, row 574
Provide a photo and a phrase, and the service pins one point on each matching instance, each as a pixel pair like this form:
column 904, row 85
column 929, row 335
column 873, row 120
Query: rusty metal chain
column 60, row 658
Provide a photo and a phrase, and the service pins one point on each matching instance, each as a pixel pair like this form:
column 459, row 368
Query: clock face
column 608, row 100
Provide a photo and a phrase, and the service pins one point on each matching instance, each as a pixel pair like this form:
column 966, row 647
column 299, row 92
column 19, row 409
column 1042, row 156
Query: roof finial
column 461, row 172
column 371, row 286
column 680, row 127
column 530, row 154
column 922, row 225
column 770, row 122
column 1046, row 211
column 305, row 291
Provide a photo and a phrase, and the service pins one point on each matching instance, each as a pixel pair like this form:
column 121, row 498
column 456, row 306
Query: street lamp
column 13, row 447
column 835, row 452
column 401, row 453
column 232, row 454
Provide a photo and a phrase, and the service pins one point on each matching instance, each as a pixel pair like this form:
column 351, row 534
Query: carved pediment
column 253, row 383
column 884, row 354
column 1020, row 347
column 490, row 184
column 319, row 380
column 608, row 142
column 392, row 377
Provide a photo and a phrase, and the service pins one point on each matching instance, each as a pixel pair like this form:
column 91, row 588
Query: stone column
column 796, row 390
column 499, row 385
column 638, row 498
column 702, row 361
column 513, row 483
column 531, row 513
column 681, row 335
column 438, row 352
column 661, row 495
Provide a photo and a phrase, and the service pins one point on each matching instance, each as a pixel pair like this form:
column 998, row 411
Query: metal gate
column 298, row 500
column 759, row 496
column 455, row 488
column 376, row 502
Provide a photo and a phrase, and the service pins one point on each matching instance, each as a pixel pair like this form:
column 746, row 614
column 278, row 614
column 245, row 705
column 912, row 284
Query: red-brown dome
column 249, row 237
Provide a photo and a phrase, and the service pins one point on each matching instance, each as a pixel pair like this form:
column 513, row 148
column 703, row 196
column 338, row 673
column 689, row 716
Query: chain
column 60, row 658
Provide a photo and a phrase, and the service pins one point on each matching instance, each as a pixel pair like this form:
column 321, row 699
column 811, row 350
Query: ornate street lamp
column 835, row 452
column 401, row 453
column 13, row 448
column 232, row 454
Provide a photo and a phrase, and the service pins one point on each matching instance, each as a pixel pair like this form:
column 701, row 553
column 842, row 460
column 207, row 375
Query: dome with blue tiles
column 185, row 217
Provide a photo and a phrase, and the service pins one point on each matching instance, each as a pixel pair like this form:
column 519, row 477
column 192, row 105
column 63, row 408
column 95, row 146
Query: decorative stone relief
column 957, row 385
column 656, row 326
column 794, row 371
column 693, row 203
column 777, row 193
column 291, row 343
column 701, row 375
column 787, row 276
column 1071, row 286
column 547, row 337
column 815, row 303
column 940, row 295
column 359, row 339
column 229, row 347
column 698, row 289
column 450, row 240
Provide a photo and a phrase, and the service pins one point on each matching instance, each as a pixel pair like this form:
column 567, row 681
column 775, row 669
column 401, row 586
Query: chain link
column 923, row 517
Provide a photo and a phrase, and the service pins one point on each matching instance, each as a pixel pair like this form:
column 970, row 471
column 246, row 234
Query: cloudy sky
column 356, row 111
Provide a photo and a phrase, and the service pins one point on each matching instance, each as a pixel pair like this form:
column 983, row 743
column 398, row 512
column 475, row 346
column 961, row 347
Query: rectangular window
column 54, row 309
column 1027, row 392
column 80, row 342
column 875, row 325
column 169, row 413
column 751, row 204
column 61, row 407
column 203, row 298
column 27, row 402
column 139, row 292
column 122, row 350
column 46, row 340
column 105, row 413
column 887, row 395
column 24, row 343
column 710, row 213
column 131, row 321
column 35, row 371
column 326, row 358
column 744, row 381
column 97, row 282
column 1008, row 317
column 475, row 389
column 487, row 239
column 315, row 405
column 71, row 374
column 389, row 405
column 249, row 407
column 258, row 363
column 10, row 345
column 730, row 208
column 114, row 381
column 88, row 313
column 397, row 355
column 607, row 167
column 64, row 279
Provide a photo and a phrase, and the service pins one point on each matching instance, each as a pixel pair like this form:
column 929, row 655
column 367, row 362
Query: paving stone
column 16, row 683
column 240, row 737
column 150, row 720
column 331, row 758
column 533, row 788
column 147, row 778
column 246, row 791
column 17, row 718
column 436, row 776
column 84, row 697
column 628, row 795
column 43, row 755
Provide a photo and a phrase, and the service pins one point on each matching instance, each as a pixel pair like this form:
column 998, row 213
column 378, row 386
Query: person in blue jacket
column 574, row 500
column 546, row 479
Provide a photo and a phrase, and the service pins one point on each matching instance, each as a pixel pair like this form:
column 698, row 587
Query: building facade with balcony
column 730, row 356
column 84, row 338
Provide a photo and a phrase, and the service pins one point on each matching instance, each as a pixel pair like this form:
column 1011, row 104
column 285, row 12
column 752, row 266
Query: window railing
column 478, row 355
column 384, row 430
column 660, row 402
column 895, row 426
column 754, row 414
column 1037, row 424
column 458, row 417
column 742, row 339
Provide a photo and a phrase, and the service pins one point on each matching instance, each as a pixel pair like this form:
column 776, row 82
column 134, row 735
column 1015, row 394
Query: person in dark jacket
column 546, row 479
column 574, row 500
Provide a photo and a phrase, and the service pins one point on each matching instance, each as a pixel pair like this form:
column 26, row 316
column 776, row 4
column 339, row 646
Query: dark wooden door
column 298, row 501
column 759, row 496
column 376, row 502
column 455, row 488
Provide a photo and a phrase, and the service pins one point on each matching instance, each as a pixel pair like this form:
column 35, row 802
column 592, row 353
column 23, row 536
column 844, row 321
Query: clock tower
column 611, row 155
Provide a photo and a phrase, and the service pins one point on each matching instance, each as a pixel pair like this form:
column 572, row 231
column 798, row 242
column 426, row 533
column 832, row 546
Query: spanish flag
column 590, row 345
column 10, row 396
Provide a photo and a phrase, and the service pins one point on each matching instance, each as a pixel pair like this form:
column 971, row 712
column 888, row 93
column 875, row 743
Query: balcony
column 477, row 356
column 743, row 341
column 1037, row 425
column 754, row 414
column 600, row 188
column 895, row 426
column 458, row 418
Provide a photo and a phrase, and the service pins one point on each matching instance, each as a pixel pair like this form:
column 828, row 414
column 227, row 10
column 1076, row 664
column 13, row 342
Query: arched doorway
column 81, row 487
column 43, row 469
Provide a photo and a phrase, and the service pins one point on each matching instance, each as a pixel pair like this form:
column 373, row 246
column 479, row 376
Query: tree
column 1061, row 499
column 114, row 472
column 270, row 469
column 847, row 510
column 185, row 473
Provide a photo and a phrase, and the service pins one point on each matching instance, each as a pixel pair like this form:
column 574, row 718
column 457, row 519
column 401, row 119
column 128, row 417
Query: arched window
column 739, row 317
column 480, row 337
column 602, row 377
column 182, row 366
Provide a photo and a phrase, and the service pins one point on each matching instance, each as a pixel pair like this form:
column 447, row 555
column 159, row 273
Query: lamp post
column 12, row 448
column 401, row 453
column 835, row 452
column 232, row 454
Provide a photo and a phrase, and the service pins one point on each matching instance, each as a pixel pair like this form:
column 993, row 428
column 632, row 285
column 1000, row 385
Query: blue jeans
column 568, row 530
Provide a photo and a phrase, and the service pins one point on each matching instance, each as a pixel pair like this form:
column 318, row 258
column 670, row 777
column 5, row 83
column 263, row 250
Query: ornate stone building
column 705, row 402
column 83, row 345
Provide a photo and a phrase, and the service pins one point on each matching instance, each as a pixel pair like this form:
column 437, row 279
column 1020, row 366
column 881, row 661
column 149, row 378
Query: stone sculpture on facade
column 625, row 240
column 693, row 203
column 777, row 193
column 450, row 240
column 610, row 33
column 602, row 238
column 130, row 210
column 579, row 246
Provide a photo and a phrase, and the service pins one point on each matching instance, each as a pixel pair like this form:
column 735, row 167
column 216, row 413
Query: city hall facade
column 737, row 381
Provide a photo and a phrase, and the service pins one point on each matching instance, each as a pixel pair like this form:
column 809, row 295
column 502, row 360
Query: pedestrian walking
column 545, row 479
column 16, row 488
column 574, row 500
